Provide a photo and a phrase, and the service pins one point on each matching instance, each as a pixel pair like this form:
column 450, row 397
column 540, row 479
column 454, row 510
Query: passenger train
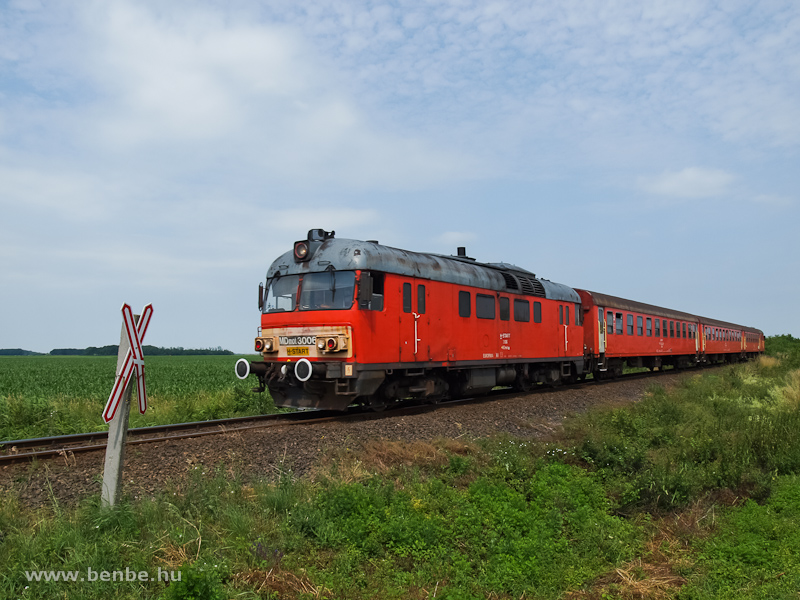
column 348, row 322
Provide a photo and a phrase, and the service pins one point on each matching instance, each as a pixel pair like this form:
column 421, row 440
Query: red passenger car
column 621, row 331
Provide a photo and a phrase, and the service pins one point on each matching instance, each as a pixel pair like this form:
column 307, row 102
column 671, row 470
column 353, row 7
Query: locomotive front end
column 309, row 309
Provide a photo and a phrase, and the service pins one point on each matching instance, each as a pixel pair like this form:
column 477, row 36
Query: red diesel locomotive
column 354, row 322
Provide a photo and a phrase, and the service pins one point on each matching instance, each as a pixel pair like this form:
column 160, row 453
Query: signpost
column 130, row 358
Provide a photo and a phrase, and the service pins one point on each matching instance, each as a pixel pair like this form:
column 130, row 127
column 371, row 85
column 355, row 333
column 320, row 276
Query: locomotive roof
column 350, row 255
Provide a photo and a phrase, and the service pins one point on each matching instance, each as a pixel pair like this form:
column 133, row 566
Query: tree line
column 112, row 350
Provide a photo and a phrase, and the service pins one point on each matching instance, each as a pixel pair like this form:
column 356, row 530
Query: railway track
column 66, row 445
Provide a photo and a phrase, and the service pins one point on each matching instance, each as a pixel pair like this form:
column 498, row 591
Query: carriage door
column 414, row 341
column 601, row 331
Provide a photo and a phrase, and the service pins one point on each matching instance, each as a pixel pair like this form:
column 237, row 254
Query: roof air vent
column 511, row 281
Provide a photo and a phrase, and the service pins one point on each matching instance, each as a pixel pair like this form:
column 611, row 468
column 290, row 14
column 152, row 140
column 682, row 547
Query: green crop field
column 55, row 395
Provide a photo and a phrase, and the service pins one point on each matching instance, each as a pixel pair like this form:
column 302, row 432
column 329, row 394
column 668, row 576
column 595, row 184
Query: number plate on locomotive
column 297, row 351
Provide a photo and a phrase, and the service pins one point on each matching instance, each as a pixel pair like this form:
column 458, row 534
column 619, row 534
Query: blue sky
column 168, row 152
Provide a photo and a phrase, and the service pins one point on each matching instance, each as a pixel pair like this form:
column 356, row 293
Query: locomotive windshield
column 331, row 290
column 281, row 294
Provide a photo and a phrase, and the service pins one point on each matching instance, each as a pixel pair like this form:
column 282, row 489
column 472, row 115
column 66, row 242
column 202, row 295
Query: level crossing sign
column 134, row 361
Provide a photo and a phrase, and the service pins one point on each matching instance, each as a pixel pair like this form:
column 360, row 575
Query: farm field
column 57, row 395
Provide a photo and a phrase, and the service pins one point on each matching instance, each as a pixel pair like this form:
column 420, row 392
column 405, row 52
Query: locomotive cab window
column 484, row 306
column 370, row 293
column 464, row 304
column 330, row 290
column 537, row 312
column 281, row 294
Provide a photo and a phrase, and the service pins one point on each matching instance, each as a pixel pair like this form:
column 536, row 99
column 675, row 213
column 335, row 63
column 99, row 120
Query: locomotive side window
column 421, row 299
column 630, row 324
column 537, row 312
column 578, row 315
column 505, row 310
column 649, row 327
column 619, row 324
column 406, row 297
column 522, row 311
column 377, row 291
column 639, row 326
column 658, row 327
column 484, row 306
column 560, row 314
column 464, row 304
column 610, row 322
column 566, row 315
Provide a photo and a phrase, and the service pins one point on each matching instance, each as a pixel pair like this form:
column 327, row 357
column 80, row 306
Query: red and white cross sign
column 134, row 360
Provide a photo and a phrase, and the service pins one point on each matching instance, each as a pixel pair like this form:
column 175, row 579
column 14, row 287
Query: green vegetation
column 56, row 395
column 692, row 493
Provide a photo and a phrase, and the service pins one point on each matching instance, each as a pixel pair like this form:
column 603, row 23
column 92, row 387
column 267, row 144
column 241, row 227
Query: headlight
column 301, row 251
column 265, row 344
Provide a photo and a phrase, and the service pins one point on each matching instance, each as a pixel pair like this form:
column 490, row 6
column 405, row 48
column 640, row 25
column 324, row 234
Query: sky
column 167, row 153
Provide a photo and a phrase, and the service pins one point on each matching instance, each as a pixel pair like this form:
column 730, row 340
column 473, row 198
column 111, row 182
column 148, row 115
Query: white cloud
column 692, row 182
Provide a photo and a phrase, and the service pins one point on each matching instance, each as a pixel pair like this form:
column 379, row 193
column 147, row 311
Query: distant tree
column 17, row 352
column 148, row 351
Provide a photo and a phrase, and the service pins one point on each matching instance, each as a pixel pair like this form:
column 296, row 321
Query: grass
column 688, row 494
column 57, row 395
